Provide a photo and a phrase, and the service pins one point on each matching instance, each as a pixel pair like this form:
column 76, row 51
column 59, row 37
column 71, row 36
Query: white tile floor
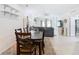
column 65, row 45
column 56, row 46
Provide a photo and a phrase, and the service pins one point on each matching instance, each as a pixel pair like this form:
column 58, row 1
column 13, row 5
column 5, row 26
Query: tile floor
column 66, row 45
column 48, row 49
column 55, row 46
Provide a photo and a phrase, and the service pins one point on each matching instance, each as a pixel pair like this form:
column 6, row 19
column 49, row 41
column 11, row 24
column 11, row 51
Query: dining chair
column 24, row 45
column 42, row 42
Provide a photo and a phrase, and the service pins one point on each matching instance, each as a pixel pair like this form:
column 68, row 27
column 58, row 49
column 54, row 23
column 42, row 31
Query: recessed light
column 46, row 14
column 73, row 10
column 26, row 5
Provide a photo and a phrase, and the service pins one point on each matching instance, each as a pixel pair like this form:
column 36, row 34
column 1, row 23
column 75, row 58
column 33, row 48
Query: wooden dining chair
column 42, row 43
column 24, row 45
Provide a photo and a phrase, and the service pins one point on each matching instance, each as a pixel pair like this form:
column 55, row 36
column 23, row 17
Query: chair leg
column 35, row 52
column 18, row 51
column 43, row 50
column 43, row 45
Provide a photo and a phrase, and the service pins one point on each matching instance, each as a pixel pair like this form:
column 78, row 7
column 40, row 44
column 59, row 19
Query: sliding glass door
column 47, row 23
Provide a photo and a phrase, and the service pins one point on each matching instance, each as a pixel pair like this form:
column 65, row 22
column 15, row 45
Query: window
column 43, row 23
column 49, row 23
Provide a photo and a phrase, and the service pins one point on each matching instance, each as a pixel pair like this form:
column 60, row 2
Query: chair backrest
column 25, row 29
column 18, row 30
column 21, row 40
column 21, row 36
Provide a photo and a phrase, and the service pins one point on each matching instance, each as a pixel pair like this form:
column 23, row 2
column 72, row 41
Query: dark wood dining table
column 36, row 37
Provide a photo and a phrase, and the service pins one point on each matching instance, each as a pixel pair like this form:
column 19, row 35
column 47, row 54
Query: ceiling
column 48, row 9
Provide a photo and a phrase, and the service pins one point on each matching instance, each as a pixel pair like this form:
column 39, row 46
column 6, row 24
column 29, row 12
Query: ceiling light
column 26, row 5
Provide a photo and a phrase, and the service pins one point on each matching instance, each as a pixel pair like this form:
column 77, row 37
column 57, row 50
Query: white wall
column 72, row 26
column 8, row 25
